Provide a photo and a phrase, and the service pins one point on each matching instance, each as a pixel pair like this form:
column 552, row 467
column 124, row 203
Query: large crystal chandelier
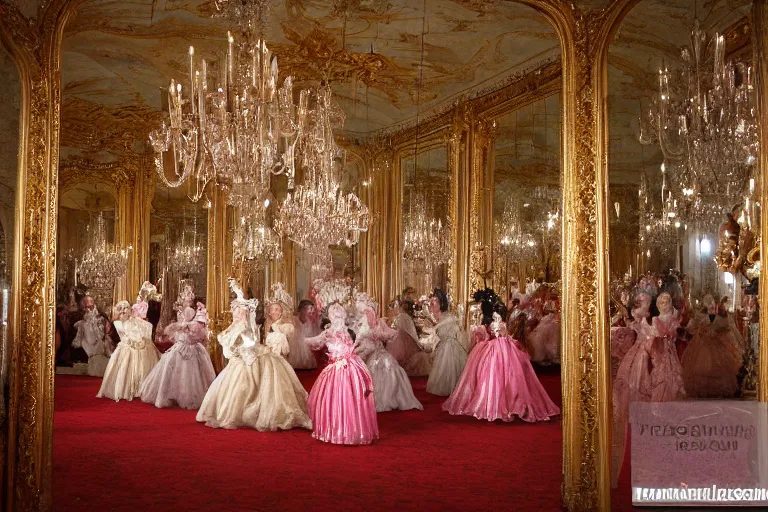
column 514, row 239
column 234, row 130
column 703, row 119
column 253, row 241
column 102, row 264
column 318, row 213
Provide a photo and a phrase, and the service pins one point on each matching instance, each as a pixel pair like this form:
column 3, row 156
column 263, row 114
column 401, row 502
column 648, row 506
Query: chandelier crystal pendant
column 253, row 241
column 704, row 120
column 318, row 213
column 102, row 264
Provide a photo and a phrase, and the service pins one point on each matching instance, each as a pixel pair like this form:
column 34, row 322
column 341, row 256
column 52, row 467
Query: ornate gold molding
column 760, row 54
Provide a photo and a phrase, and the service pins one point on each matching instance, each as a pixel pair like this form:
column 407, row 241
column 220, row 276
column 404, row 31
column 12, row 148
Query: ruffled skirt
column 301, row 357
column 97, row 365
column 450, row 358
column 711, row 365
column 499, row 383
column 265, row 396
column 127, row 369
column 391, row 386
column 544, row 341
column 342, row 404
column 409, row 355
column 181, row 378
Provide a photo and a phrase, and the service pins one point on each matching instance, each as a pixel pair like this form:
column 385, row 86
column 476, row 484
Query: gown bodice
column 134, row 332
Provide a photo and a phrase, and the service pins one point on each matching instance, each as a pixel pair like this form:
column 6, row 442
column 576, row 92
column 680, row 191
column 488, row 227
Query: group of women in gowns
column 367, row 372
column 664, row 357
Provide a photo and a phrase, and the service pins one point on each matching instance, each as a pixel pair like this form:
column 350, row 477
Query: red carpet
column 130, row 456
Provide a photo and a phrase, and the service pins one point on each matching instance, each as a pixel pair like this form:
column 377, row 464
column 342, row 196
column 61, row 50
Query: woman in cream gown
column 280, row 319
column 450, row 355
column 257, row 388
column 135, row 355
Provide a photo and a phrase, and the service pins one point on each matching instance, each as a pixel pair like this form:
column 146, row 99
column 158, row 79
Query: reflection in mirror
column 9, row 167
column 426, row 199
column 685, row 213
column 88, row 261
column 178, row 252
column 526, row 218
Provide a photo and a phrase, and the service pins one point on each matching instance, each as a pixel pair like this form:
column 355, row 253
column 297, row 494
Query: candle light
column 192, row 77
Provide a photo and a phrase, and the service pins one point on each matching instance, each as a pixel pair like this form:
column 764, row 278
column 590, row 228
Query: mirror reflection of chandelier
column 187, row 256
column 254, row 242
column 514, row 240
column 425, row 239
column 102, row 264
column 318, row 213
column 703, row 119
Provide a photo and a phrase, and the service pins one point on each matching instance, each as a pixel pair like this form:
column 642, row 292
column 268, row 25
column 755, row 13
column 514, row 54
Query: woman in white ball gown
column 257, row 388
column 391, row 388
column 450, row 355
column 184, row 372
column 135, row 355
column 280, row 319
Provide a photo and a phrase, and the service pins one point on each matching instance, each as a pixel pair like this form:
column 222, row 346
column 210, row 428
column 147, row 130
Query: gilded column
column 760, row 54
column 219, row 269
column 460, row 208
column 124, row 217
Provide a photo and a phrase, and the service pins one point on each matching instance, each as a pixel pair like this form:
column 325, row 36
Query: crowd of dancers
column 367, row 361
column 665, row 347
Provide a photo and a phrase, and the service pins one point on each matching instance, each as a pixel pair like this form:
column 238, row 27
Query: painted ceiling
column 119, row 54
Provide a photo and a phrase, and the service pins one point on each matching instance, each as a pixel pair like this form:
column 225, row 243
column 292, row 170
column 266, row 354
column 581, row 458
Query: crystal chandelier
column 101, row 264
column 253, row 241
column 703, row 119
column 318, row 213
column 188, row 254
column 425, row 239
column 660, row 228
column 514, row 241
column 237, row 130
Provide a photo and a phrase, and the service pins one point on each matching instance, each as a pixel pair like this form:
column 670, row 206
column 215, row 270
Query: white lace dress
column 184, row 372
column 257, row 389
column 450, row 357
column 131, row 362
column 391, row 387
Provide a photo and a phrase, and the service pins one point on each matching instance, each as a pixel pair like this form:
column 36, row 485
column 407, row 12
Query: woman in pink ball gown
column 498, row 382
column 341, row 403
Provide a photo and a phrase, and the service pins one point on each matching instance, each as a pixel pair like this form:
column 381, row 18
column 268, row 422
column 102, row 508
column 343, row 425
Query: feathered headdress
column 240, row 302
column 490, row 303
column 364, row 301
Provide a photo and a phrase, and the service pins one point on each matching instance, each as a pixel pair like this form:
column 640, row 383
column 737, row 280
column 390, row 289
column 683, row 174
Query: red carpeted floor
column 130, row 456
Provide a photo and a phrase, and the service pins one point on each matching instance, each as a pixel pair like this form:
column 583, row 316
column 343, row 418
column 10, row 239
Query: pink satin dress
column 498, row 383
column 341, row 402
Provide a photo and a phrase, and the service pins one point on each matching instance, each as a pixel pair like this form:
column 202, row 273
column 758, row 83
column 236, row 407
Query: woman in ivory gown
column 341, row 402
column 650, row 372
column 450, row 354
column 391, row 387
column 92, row 337
column 280, row 319
column 257, row 388
column 135, row 355
column 184, row 372
column 498, row 382
column 713, row 358
column 405, row 347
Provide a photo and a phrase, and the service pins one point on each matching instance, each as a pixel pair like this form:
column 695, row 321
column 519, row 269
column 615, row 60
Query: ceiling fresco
column 119, row 54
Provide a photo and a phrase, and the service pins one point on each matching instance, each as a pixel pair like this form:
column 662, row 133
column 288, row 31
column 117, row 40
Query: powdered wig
column 120, row 310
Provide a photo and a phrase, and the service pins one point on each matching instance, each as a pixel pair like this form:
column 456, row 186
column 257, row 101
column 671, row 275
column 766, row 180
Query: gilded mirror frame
column 35, row 47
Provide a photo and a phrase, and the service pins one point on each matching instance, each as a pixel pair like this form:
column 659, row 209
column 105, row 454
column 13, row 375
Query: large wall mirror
column 525, row 165
column 426, row 196
column 9, row 168
column 685, row 214
column 178, row 249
